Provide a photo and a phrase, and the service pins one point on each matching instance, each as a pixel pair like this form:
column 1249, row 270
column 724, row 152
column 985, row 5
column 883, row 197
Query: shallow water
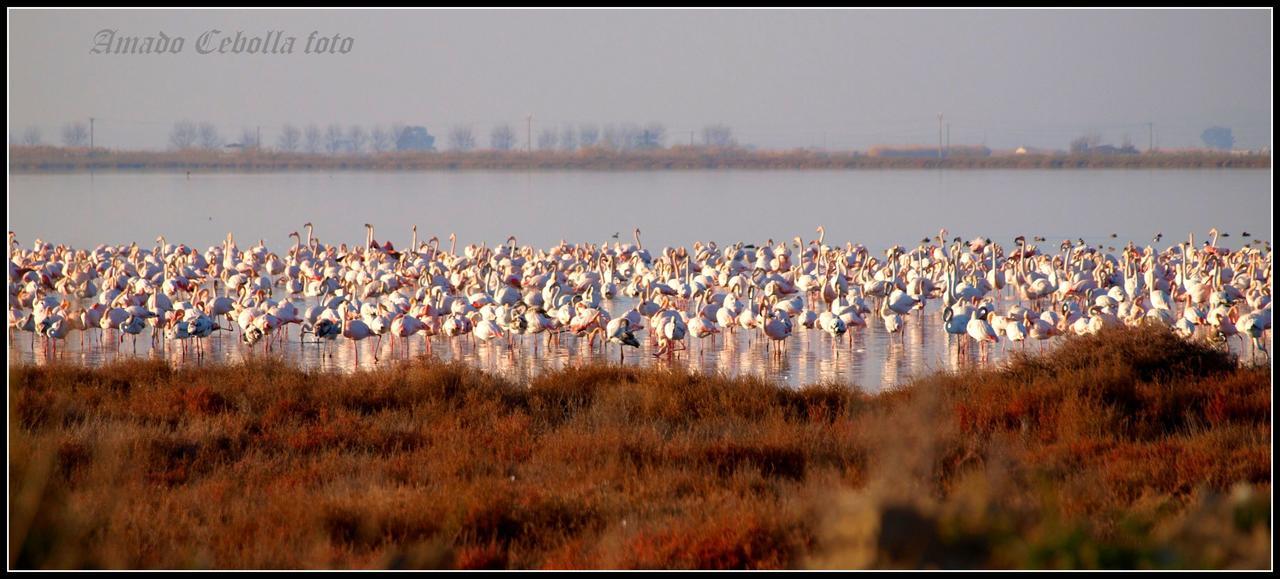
column 875, row 208
column 869, row 357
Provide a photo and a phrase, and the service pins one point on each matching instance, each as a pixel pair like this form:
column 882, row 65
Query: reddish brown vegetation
column 1113, row 451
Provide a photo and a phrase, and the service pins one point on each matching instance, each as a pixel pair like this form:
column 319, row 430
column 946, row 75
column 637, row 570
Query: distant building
column 415, row 139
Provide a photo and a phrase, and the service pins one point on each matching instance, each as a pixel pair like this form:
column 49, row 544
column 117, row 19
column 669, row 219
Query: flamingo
column 979, row 328
column 702, row 327
column 354, row 329
column 778, row 328
column 671, row 330
column 133, row 325
column 618, row 331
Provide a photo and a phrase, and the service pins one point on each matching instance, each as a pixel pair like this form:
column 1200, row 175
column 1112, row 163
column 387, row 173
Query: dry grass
column 39, row 159
column 1121, row 450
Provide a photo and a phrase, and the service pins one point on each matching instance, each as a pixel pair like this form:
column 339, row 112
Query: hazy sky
column 779, row 78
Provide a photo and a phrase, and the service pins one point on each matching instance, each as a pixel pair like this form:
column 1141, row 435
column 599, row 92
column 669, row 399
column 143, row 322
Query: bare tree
column 612, row 138
column 624, row 137
column 209, row 138
column 290, row 138
column 183, row 135
column 31, row 137
column 334, row 141
column 547, row 139
column 588, row 135
column 653, row 136
column 75, row 135
column 718, row 135
column 568, row 138
column 357, row 138
column 461, row 138
column 381, row 139
column 313, row 139
column 502, row 138
column 248, row 138
column 1084, row 143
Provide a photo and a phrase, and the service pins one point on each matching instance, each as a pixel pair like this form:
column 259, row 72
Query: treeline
column 596, row 157
column 336, row 138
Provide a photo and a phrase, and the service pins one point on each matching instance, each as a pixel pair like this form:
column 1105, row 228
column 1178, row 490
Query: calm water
column 876, row 208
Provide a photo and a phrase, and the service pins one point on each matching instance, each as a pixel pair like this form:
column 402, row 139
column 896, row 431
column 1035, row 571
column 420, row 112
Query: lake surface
column 875, row 208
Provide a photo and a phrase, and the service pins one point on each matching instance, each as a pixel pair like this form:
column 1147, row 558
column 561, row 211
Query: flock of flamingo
column 1032, row 289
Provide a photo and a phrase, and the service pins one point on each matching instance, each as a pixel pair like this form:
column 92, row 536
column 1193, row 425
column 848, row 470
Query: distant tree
column 717, row 135
column 502, row 138
column 380, row 139
column 1083, row 143
column 75, row 135
column 357, row 138
column 290, row 138
column 1218, row 138
column 653, row 136
column 208, row 137
column 416, row 139
column 588, row 135
column 334, row 140
column 461, row 138
column 612, row 138
column 248, row 138
column 624, row 137
column 568, row 138
column 313, row 139
column 31, row 136
column 547, row 139
column 397, row 129
column 183, row 135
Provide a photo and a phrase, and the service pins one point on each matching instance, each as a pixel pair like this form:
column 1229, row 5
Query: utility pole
column 1151, row 133
column 257, row 140
column 91, row 134
column 948, row 151
column 528, row 139
column 939, row 135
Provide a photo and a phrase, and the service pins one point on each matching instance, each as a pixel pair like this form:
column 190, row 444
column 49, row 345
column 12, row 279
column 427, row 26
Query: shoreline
column 53, row 160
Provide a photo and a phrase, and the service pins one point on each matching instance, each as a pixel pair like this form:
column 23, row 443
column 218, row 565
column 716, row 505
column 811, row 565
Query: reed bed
column 1128, row 449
